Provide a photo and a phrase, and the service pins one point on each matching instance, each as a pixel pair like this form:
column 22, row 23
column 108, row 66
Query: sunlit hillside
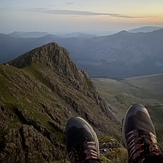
column 146, row 90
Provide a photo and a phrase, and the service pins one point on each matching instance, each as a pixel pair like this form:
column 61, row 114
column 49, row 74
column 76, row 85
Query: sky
column 70, row 16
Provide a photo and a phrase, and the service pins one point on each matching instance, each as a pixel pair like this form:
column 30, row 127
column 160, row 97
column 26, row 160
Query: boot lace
column 83, row 152
column 141, row 145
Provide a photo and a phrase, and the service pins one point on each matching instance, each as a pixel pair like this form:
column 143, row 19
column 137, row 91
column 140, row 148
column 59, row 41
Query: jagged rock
column 27, row 145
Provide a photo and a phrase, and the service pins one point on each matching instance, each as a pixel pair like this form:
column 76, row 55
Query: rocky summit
column 39, row 92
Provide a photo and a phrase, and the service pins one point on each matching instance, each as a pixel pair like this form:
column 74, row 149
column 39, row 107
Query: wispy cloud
column 87, row 13
column 77, row 13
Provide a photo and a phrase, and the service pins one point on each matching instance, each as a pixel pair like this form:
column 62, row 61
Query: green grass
column 20, row 90
column 149, row 86
column 146, row 90
column 118, row 155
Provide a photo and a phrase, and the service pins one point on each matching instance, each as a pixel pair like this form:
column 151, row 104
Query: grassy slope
column 18, row 89
column 33, row 91
column 119, row 94
column 146, row 90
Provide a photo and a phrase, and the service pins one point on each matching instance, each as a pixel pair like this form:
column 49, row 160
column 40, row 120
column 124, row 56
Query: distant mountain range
column 79, row 34
column 145, row 29
column 17, row 34
column 124, row 54
column 28, row 34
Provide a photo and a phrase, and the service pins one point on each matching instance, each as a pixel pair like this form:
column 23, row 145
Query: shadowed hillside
column 39, row 92
column 118, row 56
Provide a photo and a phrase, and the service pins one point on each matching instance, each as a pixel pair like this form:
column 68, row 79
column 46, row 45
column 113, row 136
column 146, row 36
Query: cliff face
column 40, row 91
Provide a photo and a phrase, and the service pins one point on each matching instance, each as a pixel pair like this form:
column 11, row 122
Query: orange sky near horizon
column 78, row 16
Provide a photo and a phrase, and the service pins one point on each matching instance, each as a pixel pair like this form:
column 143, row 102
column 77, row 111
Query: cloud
column 87, row 13
column 80, row 13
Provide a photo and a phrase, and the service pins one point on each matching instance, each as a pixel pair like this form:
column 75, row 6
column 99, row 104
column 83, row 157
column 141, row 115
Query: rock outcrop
column 40, row 91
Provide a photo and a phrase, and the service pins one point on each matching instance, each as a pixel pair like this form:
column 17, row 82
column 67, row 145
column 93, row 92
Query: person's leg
column 139, row 136
column 81, row 140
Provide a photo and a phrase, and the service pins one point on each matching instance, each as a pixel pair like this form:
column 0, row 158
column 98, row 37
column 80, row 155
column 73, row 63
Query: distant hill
column 77, row 34
column 147, row 90
column 121, row 55
column 28, row 34
column 39, row 92
column 145, row 29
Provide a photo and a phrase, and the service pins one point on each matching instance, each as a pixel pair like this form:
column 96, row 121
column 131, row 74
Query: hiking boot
column 139, row 134
column 81, row 140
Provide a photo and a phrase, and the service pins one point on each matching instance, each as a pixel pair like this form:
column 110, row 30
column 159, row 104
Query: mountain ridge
column 120, row 55
column 145, row 29
column 28, row 34
column 40, row 91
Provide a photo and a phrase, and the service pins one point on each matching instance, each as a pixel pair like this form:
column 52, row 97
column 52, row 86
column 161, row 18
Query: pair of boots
column 138, row 135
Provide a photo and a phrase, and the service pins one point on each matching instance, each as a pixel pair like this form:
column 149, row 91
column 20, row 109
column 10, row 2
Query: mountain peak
column 52, row 57
column 145, row 29
column 122, row 32
column 46, row 54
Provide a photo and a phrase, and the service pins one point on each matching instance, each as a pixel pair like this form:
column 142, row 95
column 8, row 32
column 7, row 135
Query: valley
column 147, row 90
column 120, row 55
